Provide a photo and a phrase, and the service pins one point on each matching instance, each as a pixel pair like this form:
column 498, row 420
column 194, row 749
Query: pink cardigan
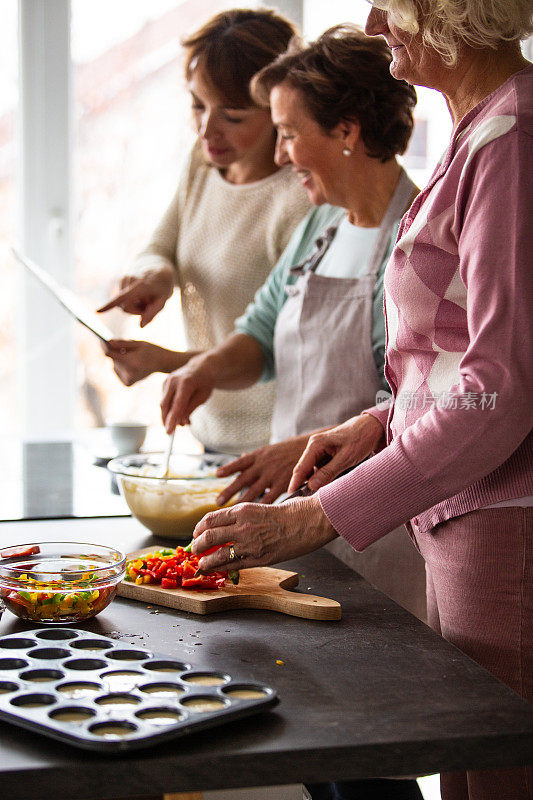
column 459, row 311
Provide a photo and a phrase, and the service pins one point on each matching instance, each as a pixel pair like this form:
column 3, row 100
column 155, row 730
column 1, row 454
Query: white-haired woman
column 454, row 452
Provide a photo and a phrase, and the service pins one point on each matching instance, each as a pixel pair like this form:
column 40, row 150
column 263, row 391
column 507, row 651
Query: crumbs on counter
column 279, row 662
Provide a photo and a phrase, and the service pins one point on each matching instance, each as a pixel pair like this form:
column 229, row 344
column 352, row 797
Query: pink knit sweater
column 459, row 311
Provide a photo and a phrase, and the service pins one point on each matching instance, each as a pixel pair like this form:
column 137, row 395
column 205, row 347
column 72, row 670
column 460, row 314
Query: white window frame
column 46, row 336
column 46, row 345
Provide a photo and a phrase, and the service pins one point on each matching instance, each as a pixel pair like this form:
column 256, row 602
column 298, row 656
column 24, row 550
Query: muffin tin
column 99, row 694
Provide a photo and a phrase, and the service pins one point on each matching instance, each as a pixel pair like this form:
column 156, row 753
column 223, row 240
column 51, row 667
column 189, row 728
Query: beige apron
column 326, row 373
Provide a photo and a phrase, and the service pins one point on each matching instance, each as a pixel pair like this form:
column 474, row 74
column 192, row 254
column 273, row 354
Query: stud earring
column 347, row 151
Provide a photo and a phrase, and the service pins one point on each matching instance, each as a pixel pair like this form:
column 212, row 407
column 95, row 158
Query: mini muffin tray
column 99, row 694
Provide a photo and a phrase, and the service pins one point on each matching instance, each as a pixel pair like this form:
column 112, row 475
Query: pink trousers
column 480, row 597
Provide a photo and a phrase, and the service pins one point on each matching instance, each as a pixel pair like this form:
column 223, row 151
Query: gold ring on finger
column 232, row 553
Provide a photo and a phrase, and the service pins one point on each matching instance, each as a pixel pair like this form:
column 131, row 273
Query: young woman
column 231, row 217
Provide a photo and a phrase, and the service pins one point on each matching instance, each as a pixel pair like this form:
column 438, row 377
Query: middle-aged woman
column 317, row 322
column 454, row 452
column 231, row 217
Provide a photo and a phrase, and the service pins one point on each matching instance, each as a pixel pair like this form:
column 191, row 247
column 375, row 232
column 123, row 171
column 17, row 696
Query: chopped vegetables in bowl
column 59, row 581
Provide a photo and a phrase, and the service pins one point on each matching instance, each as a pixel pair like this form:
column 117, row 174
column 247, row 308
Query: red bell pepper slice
column 22, row 550
column 169, row 583
column 188, row 569
column 202, row 582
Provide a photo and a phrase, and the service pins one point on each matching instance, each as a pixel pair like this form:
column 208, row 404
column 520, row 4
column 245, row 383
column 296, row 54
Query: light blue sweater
column 260, row 317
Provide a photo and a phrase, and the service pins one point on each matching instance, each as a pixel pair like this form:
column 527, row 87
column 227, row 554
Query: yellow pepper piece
column 139, row 580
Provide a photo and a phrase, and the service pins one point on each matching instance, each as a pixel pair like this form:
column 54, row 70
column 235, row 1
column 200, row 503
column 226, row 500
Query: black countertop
column 374, row 694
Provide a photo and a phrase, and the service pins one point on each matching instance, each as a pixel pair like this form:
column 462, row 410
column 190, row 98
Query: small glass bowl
column 170, row 506
column 60, row 582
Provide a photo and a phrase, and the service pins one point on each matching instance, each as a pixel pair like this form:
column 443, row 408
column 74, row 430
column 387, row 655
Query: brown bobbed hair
column 232, row 46
column 344, row 75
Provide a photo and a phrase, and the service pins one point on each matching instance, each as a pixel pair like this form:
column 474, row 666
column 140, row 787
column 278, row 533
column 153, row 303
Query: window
column 8, row 209
column 90, row 153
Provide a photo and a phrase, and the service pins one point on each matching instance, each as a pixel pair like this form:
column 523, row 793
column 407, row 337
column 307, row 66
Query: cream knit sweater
column 223, row 240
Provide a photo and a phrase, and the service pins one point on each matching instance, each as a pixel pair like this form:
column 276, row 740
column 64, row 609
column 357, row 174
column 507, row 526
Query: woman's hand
column 144, row 295
column 341, row 447
column 235, row 364
column 265, row 473
column 261, row 534
column 133, row 360
column 184, row 390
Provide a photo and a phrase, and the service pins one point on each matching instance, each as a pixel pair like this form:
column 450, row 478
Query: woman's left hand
column 261, row 535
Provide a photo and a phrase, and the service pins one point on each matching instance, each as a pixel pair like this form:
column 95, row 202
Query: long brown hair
column 232, row 46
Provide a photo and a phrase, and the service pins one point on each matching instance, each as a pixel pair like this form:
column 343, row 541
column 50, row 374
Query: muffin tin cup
column 99, row 694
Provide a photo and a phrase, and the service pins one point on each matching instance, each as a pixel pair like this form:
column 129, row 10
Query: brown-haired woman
column 229, row 221
column 317, row 323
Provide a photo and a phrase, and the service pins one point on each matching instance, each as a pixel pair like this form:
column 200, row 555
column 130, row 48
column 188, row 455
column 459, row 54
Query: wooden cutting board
column 259, row 587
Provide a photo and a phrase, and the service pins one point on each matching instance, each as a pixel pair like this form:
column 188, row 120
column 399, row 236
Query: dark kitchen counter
column 374, row 694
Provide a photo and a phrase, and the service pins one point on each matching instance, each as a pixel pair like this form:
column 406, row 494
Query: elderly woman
column 454, row 452
column 318, row 320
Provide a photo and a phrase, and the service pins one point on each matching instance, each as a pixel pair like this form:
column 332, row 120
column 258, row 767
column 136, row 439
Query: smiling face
column 315, row 154
column 411, row 61
column 237, row 140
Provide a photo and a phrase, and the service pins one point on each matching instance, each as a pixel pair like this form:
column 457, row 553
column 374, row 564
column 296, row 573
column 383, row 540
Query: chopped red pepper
column 22, row 550
column 203, row 582
column 169, row 583
column 172, row 569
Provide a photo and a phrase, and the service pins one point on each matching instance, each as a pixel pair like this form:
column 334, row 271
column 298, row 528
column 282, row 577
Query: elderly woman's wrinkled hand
column 261, row 535
column 341, row 447
column 264, row 473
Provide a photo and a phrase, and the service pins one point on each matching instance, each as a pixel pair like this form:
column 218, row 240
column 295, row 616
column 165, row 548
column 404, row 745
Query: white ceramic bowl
column 127, row 437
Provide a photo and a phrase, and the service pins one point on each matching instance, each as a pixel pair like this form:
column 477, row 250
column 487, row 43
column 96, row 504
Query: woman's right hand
column 184, row 390
column 341, row 447
column 263, row 473
column 144, row 294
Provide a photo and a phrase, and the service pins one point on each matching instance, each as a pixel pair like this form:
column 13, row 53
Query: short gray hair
column 476, row 23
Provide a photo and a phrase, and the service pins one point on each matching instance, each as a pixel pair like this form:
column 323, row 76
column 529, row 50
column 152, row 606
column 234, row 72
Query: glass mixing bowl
column 170, row 506
column 59, row 581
